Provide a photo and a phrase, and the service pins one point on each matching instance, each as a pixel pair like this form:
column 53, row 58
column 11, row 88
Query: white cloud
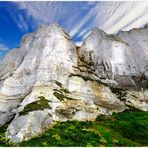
column 83, row 32
column 66, row 13
column 79, row 18
column 22, row 23
column 83, row 21
column 125, row 15
column 47, row 12
column 140, row 22
column 3, row 47
column 18, row 17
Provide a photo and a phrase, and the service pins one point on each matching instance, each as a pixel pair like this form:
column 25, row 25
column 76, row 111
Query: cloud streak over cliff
column 80, row 17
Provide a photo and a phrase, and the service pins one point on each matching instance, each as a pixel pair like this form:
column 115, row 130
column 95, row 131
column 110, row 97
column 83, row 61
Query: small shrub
column 4, row 141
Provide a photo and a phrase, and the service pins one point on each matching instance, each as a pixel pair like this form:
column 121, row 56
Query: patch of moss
column 57, row 90
column 58, row 83
column 38, row 105
column 4, row 141
column 65, row 90
column 61, row 93
column 61, row 97
column 62, row 89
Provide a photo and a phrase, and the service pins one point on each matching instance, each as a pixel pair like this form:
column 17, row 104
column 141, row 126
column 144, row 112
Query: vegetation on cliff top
column 128, row 128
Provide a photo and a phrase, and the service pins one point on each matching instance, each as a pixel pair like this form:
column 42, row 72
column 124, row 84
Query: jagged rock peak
column 52, row 29
column 43, row 31
column 98, row 31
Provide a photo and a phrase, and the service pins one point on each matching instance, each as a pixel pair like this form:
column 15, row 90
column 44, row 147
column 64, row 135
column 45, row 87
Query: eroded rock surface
column 48, row 79
column 122, row 57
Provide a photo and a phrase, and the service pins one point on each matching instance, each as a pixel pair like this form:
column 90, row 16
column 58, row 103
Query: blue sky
column 78, row 18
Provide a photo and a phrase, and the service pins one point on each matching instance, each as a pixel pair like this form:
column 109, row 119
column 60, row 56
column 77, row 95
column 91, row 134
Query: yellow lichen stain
column 100, row 98
column 97, row 89
column 72, row 102
column 79, row 104
column 90, row 109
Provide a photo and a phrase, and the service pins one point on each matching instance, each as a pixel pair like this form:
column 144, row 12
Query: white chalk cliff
column 122, row 57
column 49, row 79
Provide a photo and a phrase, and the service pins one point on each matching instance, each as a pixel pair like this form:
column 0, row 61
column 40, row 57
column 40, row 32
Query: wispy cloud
column 124, row 16
column 71, row 15
column 3, row 47
column 78, row 18
column 18, row 17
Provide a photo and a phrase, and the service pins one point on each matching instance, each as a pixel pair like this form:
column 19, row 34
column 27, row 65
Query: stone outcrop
column 122, row 57
column 48, row 79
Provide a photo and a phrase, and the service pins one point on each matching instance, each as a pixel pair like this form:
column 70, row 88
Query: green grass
column 3, row 141
column 129, row 128
column 38, row 105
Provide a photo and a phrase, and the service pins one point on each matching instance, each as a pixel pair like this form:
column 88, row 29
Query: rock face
column 48, row 79
column 121, row 57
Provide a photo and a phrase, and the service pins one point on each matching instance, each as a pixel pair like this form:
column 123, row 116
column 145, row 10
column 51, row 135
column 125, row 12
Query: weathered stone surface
column 5, row 117
column 138, row 99
column 119, row 57
column 24, row 127
column 48, row 80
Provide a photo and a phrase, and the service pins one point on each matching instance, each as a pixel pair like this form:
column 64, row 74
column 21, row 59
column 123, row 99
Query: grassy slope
column 129, row 128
